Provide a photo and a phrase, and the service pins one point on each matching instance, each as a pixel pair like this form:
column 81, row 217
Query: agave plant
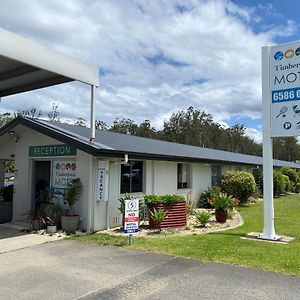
column 158, row 216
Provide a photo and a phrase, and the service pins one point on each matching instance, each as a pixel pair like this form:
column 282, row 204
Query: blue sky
column 156, row 57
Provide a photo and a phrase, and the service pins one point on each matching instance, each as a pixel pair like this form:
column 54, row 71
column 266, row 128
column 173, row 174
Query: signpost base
column 130, row 241
column 270, row 237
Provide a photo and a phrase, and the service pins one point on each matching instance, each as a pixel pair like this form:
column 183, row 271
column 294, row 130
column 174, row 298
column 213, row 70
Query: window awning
column 26, row 65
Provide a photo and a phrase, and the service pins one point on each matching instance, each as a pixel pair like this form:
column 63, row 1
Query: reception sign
column 51, row 150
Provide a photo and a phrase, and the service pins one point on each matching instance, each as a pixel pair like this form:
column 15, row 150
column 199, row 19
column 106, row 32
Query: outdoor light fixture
column 126, row 158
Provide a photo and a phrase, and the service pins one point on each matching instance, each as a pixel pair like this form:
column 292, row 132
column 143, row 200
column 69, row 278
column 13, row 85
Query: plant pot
column 70, row 224
column 221, row 215
column 36, row 225
column 176, row 215
column 51, row 229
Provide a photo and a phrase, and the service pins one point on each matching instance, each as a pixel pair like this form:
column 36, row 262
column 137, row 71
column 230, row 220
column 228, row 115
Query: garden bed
column 192, row 227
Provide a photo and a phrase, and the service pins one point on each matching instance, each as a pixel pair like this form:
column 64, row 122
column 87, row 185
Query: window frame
column 141, row 184
column 181, row 184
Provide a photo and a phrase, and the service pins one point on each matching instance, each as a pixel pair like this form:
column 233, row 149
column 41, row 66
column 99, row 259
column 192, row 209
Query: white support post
column 93, row 114
column 269, row 230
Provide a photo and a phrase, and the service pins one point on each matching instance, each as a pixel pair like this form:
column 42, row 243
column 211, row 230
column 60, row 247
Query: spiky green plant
column 202, row 217
column 158, row 216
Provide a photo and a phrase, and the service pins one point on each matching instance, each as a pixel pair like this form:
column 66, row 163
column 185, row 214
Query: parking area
column 72, row 270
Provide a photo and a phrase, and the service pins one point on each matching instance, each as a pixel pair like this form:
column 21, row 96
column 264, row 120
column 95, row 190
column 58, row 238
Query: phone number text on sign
column 286, row 95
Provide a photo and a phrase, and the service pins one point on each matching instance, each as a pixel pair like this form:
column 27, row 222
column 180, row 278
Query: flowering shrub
column 223, row 201
column 239, row 184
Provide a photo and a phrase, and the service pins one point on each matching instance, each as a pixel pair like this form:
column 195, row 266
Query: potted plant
column 51, row 227
column 70, row 220
column 6, row 195
column 222, row 203
column 54, row 213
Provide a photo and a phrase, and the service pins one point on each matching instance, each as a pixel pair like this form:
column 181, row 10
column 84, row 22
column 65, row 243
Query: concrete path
column 13, row 239
column 73, row 270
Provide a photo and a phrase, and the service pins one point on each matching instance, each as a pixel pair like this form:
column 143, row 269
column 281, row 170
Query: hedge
column 239, row 184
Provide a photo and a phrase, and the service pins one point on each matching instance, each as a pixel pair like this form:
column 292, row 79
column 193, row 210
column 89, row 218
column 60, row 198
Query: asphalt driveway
column 72, row 270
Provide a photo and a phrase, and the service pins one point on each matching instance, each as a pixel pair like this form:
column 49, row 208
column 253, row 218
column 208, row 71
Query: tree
column 101, row 125
column 5, row 118
column 81, row 122
column 53, row 115
column 29, row 113
column 126, row 126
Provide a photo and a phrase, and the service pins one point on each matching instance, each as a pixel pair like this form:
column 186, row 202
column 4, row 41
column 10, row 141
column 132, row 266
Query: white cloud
column 255, row 134
column 157, row 56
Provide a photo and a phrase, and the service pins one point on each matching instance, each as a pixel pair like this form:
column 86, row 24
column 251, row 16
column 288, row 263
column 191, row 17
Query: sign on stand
column 281, row 113
column 285, row 89
column 131, row 221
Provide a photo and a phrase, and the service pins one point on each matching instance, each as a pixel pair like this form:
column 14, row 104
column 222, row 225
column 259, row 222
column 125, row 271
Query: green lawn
column 227, row 246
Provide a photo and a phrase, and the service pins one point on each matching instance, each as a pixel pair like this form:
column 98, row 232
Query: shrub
column 297, row 187
column 209, row 193
column 288, row 185
column 278, row 183
column 151, row 200
column 258, row 176
column 239, row 184
column 291, row 173
column 202, row 217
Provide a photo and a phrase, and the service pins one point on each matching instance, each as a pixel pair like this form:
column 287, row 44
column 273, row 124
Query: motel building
column 108, row 164
column 109, row 167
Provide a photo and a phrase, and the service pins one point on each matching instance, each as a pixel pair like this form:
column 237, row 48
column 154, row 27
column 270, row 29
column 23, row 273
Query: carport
column 26, row 66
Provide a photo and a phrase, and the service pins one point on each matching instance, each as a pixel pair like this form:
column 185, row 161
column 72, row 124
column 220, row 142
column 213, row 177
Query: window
column 132, row 177
column 183, row 176
column 215, row 175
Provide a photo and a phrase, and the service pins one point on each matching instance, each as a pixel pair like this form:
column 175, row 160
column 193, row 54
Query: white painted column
column 2, row 173
column 269, row 230
column 93, row 113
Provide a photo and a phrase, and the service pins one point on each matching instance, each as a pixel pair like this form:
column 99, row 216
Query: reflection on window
column 132, row 177
column 215, row 175
column 183, row 176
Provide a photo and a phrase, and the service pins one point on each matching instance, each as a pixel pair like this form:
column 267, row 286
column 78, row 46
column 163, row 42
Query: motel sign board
column 281, row 114
column 284, row 82
column 131, row 217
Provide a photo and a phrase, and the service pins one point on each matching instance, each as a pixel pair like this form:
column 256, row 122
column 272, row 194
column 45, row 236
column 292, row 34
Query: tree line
column 191, row 126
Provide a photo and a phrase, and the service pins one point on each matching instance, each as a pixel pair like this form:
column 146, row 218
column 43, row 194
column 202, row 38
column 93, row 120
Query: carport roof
column 26, row 65
column 116, row 145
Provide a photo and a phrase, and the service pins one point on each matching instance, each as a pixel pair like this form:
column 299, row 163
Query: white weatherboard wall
column 165, row 177
column 201, row 180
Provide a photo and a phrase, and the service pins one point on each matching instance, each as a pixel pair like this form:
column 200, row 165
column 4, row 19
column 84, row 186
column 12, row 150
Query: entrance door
column 41, row 178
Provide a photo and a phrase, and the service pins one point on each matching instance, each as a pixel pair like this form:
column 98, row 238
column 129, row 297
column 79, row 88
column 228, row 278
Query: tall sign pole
column 281, row 113
column 269, row 229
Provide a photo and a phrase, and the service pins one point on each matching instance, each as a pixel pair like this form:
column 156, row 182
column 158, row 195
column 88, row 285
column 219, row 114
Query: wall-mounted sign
column 284, row 83
column 62, row 173
column 101, row 181
column 131, row 217
column 51, row 150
